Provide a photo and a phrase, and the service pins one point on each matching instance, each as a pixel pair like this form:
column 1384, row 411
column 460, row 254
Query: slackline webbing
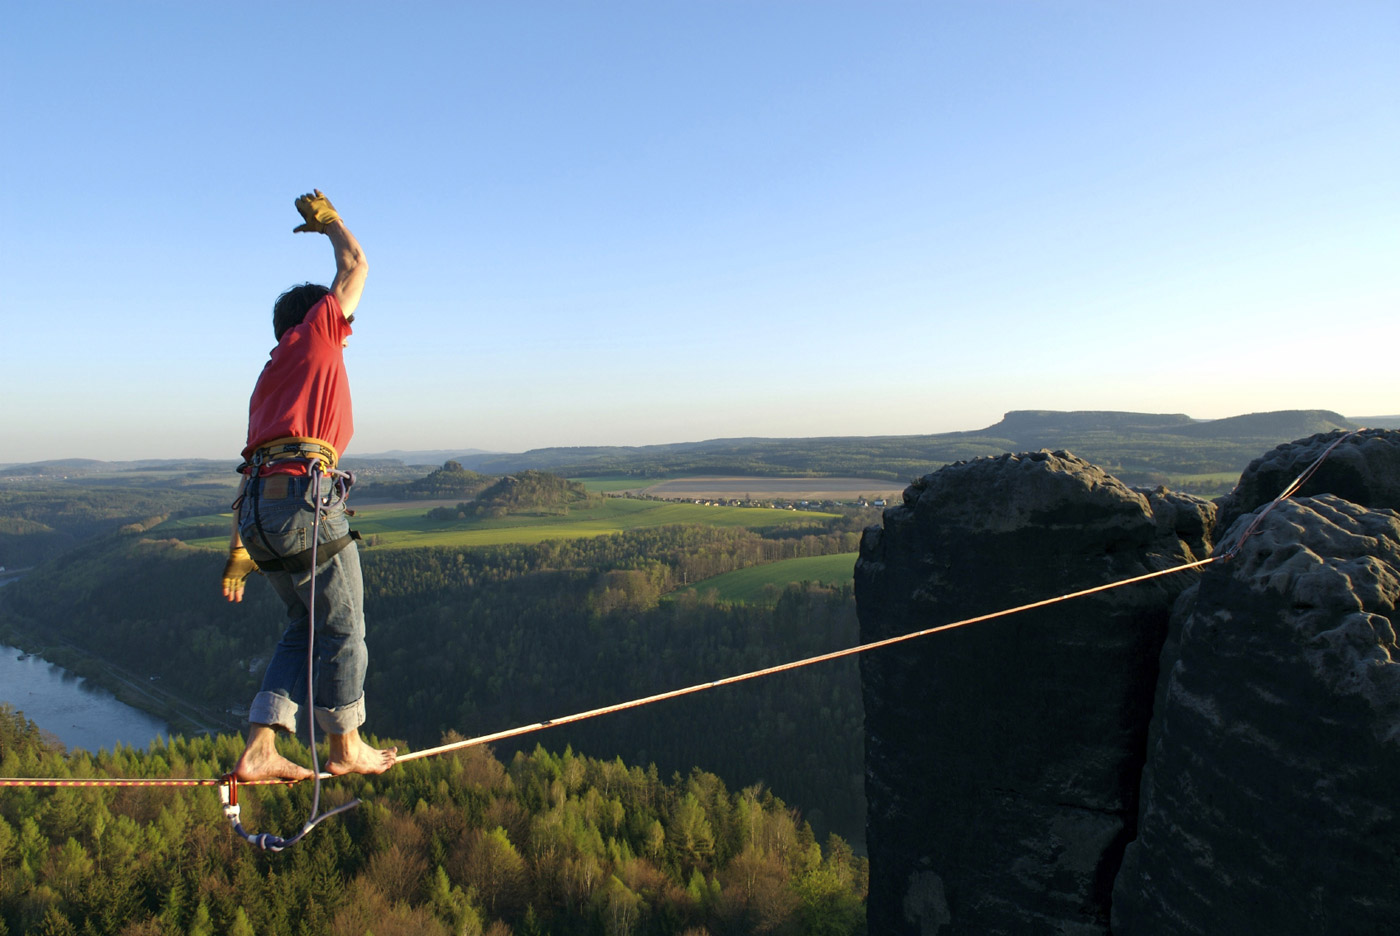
column 784, row 667
column 647, row 700
column 230, row 785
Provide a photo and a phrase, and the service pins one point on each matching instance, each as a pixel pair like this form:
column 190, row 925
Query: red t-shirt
column 303, row 390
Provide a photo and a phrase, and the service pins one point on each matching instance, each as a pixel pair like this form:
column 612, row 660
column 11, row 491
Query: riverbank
column 140, row 692
column 69, row 710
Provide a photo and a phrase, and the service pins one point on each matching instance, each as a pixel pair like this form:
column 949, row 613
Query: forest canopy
column 461, row 843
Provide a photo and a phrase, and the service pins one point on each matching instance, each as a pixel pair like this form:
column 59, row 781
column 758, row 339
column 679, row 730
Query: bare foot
column 260, row 760
column 349, row 754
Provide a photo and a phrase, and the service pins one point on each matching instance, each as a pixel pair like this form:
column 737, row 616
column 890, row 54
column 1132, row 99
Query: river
column 79, row 714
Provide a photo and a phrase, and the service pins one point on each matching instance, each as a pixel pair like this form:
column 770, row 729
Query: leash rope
column 228, row 793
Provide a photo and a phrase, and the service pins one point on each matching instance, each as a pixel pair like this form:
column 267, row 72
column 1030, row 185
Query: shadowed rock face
column 1270, row 799
column 1184, row 517
column 1364, row 469
column 1002, row 759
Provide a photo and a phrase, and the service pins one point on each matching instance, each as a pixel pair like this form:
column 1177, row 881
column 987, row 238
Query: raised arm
column 351, row 267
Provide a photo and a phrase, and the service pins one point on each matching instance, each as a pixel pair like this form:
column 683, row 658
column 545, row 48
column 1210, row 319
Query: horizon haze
column 438, row 454
column 624, row 223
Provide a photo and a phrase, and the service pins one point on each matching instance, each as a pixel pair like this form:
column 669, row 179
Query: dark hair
column 291, row 307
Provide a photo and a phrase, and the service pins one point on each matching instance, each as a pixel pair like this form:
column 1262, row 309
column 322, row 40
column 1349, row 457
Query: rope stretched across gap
column 105, row 782
column 648, row 700
column 729, row 680
column 784, row 667
column 1287, row 492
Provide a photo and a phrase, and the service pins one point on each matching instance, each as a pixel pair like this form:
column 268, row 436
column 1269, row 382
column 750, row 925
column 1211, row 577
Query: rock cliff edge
column 1204, row 752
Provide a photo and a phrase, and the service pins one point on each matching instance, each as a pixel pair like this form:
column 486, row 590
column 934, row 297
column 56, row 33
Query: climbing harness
column 308, row 558
column 319, row 456
column 293, row 448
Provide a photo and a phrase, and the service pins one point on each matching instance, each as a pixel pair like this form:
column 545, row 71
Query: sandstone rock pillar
column 1003, row 759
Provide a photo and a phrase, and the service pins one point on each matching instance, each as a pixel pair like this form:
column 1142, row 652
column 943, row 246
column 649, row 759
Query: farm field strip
column 409, row 527
column 748, row 585
column 611, row 485
column 1225, row 478
column 786, row 488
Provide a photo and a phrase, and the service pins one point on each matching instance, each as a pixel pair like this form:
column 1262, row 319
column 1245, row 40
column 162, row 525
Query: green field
column 757, row 583
column 613, row 484
column 1211, row 483
column 409, row 527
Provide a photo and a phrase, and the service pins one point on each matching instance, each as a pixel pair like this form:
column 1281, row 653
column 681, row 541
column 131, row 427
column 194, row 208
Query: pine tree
column 201, row 925
column 55, row 924
column 240, row 925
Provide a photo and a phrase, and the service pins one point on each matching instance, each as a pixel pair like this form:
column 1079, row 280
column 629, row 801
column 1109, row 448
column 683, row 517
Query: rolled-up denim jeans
column 282, row 505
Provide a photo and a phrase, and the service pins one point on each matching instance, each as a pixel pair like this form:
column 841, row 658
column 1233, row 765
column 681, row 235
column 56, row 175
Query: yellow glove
column 240, row 565
column 317, row 211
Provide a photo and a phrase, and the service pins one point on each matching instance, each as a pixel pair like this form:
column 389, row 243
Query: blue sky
column 631, row 223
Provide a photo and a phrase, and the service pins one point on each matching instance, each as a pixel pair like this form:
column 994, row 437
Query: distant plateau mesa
column 1138, row 448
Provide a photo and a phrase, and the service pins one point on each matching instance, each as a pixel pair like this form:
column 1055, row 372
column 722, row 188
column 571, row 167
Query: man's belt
column 295, row 447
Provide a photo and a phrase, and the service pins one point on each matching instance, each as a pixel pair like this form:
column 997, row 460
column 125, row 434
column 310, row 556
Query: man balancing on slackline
column 299, row 422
